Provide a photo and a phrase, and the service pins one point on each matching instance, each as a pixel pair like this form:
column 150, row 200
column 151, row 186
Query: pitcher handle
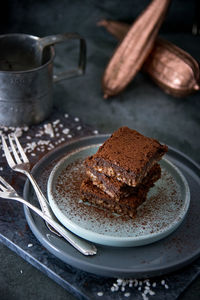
column 59, row 38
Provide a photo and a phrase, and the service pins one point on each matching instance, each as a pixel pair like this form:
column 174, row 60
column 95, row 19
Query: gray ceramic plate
column 170, row 253
column 165, row 208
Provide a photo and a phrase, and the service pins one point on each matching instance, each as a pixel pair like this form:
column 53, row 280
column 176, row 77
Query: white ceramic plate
column 163, row 211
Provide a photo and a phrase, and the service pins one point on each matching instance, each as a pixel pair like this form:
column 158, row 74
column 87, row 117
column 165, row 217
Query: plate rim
column 104, row 270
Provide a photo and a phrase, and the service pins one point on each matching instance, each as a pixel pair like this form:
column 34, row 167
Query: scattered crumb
column 48, row 129
column 56, row 122
column 166, row 286
column 18, row 132
column 145, row 287
column 66, row 131
column 127, row 294
column 163, row 282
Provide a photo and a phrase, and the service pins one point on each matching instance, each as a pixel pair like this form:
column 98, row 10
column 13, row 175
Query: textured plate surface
column 169, row 254
column 164, row 210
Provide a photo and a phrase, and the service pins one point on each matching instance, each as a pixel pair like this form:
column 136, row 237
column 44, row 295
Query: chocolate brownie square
column 127, row 155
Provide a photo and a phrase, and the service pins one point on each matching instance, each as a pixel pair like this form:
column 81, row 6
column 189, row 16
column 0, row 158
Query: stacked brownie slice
column 120, row 174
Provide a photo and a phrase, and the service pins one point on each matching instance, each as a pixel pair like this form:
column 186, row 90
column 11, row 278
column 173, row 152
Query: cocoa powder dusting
column 157, row 213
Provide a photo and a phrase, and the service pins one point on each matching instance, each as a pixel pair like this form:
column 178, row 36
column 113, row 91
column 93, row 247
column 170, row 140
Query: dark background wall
column 44, row 17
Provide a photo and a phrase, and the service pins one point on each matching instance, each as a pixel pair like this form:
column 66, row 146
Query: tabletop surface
column 142, row 106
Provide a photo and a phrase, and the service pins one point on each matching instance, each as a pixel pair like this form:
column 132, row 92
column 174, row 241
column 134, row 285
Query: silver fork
column 8, row 192
column 20, row 163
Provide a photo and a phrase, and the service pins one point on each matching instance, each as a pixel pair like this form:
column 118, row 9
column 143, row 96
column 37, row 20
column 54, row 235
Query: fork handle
column 43, row 201
column 80, row 244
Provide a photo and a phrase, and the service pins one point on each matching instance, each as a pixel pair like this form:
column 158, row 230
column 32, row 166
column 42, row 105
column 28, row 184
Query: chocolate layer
column 117, row 189
column 125, row 206
column 127, row 155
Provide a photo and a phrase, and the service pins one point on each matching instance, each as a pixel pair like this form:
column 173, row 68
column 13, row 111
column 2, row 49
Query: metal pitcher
column 26, row 76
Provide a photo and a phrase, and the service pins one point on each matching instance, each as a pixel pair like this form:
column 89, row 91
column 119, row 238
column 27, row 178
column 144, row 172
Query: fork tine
column 21, row 150
column 7, row 153
column 16, row 156
column 5, row 183
column 6, row 190
column 2, row 188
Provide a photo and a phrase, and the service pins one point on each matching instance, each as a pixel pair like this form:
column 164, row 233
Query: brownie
column 117, row 189
column 127, row 155
column 125, row 206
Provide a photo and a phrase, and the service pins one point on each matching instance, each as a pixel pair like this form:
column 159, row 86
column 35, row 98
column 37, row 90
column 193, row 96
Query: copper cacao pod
column 172, row 68
column 134, row 48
